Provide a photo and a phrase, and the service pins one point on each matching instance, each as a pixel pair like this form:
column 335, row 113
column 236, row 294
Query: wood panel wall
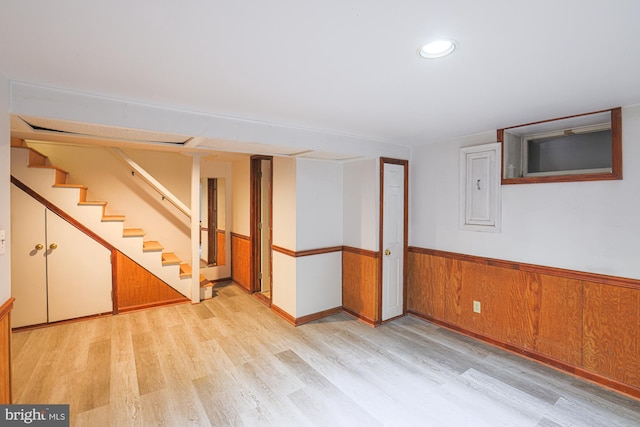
column 611, row 342
column 585, row 323
column 222, row 253
column 360, row 284
column 241, row 260
column 137, row 288
column 5, row 352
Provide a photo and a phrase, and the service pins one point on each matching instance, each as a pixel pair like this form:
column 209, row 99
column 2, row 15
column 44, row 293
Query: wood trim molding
column 5, row 351
column 262, row 298
column 61, row 322
column 297, row 321
column 565, row 367
column 242, row 287
column 533, row 268
column 360, row 317
column 283, row 251
column 154, row 304
column 240, row 236
column 308, row 252
column 6, row 308
column 363, row 252
column 315, row 316
column 286, row 316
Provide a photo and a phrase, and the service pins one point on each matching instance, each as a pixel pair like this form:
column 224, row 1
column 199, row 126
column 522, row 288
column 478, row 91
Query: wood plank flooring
column 231, row 362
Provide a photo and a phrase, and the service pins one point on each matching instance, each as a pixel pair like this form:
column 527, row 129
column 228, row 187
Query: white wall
column 585, row 226
column 319, row 219
column 318, row 204
column 5, row 205
column 284, row 289
column 240, row 206
column 361, row 204
column 284, row 206
column 318, row 283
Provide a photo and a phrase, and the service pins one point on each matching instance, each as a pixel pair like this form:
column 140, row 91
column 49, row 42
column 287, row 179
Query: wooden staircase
column 129, row 241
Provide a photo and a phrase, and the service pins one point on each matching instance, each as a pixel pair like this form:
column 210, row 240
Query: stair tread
column 169, row 258
column 185, row 270
column 151, row 246
column 133, row 232
column 92, row 203
column 116, row 218
column 204, row 282
column 69, row 186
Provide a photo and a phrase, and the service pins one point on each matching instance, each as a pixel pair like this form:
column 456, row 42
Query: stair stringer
column 41, row 180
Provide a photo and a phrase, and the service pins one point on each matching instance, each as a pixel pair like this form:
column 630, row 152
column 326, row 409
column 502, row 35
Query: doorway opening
column 261, row 214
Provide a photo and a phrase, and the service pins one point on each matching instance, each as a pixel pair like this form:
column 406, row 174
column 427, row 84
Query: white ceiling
column 346, row 67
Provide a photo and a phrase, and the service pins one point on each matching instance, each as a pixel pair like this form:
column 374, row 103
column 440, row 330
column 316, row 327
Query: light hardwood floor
column 230, row 361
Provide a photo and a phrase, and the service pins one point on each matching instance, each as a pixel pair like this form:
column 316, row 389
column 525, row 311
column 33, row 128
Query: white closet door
column 393, row 242
column 28, row 264
column 79, row 272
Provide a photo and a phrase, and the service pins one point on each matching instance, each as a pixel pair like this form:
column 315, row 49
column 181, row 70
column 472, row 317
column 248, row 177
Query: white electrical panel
column 480, row 187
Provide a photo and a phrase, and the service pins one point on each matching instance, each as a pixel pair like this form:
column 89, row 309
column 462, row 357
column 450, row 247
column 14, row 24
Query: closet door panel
column 79, row 272
column 28, row 264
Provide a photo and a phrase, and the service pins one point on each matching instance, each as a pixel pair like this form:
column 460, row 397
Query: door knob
column 387, row 252
column 39, row 247
column 53, row 246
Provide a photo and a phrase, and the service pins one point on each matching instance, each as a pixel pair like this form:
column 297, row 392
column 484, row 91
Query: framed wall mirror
column 212, row 222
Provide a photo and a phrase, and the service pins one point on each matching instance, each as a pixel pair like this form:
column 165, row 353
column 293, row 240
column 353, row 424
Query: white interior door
column 28, row 263
column 393, row 241
column 78, row 271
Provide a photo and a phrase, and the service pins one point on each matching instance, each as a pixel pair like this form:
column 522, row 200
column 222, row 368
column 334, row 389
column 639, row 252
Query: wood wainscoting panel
column 611, row 345
column 427, row 278
column 241, row 260
column 5, row 352
column 360, row 284
column 500, row 292
column 529, row 310
column 558, row 329
column 585, row 323
column 137, row 288
column 222, row 253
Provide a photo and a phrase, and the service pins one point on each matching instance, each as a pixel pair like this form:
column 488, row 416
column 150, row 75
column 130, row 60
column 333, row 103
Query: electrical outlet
column 476, row 307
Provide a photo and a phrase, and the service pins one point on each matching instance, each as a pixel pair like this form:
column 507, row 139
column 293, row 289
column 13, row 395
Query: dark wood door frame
column 404, row 163
column 256, row 201
column 212, row 221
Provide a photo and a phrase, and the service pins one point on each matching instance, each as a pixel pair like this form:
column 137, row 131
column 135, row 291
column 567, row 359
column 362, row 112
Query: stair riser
column 36, row 159
column 61, row 177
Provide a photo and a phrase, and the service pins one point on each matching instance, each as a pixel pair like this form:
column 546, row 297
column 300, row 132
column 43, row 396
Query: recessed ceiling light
column 437, row 49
